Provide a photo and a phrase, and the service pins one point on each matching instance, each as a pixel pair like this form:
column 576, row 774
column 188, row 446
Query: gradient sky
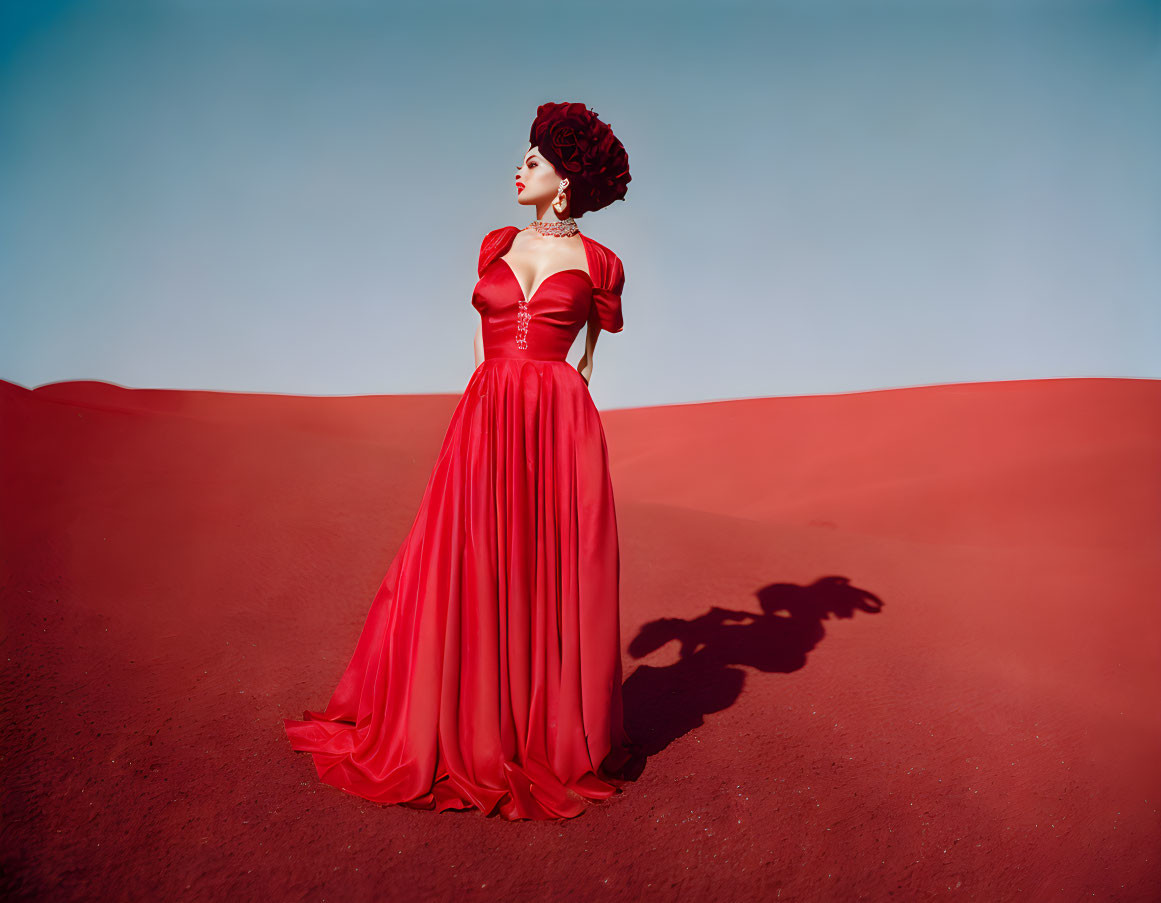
column 827, row 197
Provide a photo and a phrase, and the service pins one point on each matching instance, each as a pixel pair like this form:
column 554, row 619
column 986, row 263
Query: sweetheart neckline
column 520, row 285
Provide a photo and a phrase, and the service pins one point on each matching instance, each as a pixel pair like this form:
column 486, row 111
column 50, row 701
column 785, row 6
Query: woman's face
column 536, row 180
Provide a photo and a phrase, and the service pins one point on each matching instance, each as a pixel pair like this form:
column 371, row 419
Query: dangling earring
column 560, row 202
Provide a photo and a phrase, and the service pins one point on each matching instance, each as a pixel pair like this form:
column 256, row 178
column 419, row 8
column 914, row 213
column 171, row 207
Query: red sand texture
column 184, row 569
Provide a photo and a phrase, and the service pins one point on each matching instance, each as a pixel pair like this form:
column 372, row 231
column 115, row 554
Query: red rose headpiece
column 583, row 150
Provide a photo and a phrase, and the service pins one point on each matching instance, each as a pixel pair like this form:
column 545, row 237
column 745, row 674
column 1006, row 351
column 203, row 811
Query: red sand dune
column 900, row 645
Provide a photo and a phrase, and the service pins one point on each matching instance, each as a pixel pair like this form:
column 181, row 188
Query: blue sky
column 826, row 197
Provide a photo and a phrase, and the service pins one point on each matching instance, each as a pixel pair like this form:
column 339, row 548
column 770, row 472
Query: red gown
column 488, row 672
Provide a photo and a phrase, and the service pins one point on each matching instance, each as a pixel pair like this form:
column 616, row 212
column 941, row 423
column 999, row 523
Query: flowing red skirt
column 488, row 672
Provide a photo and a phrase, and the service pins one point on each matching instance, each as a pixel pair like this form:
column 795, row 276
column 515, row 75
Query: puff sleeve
column 607, row 299
column 492, row 245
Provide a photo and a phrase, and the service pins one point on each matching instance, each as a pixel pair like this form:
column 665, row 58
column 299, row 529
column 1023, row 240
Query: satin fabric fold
column 488, row 671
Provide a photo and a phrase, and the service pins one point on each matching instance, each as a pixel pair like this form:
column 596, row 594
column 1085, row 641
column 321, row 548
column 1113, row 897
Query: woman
column 488, row 672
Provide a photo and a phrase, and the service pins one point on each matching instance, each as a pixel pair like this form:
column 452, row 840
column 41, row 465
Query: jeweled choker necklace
column 560, row 229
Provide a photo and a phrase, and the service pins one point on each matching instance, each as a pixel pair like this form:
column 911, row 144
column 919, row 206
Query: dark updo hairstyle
column 583, row 150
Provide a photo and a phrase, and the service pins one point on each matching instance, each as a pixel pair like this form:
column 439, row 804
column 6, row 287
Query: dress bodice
column 544, row 326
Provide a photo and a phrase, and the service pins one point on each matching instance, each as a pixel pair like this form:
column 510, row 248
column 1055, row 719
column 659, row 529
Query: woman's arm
column 479, row 344
column 585, row 364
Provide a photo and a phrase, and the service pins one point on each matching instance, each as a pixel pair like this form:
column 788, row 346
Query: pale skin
column 535, row 257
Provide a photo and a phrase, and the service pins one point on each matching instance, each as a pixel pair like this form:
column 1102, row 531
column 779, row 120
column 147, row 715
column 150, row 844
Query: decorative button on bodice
column 523, row 315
